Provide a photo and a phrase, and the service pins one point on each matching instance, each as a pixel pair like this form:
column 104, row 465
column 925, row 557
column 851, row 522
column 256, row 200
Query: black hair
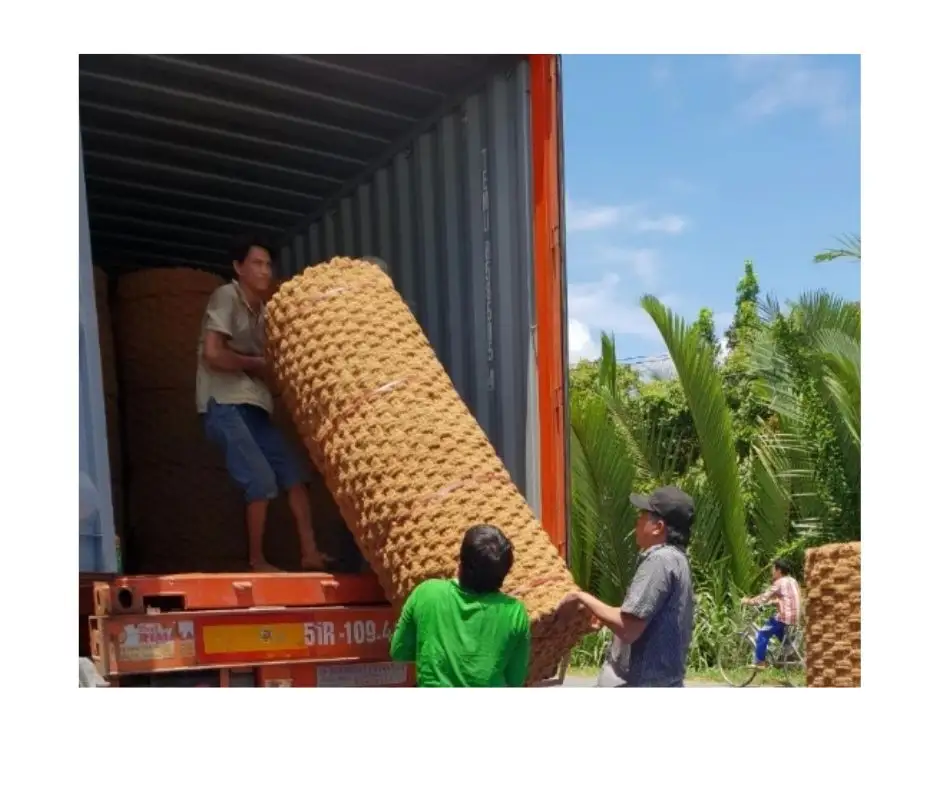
column 241, row 246
column 678, row 537
column 485, row 559
column 783, row 565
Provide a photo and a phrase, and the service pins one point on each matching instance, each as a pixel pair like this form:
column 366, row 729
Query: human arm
column 404, row 646
column 762, row 599
column 625, row 626
column 517, row 668
column 216, row 351
column 648, row 592
column 218, row 355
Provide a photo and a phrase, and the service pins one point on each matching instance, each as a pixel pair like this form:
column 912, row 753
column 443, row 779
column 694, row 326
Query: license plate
column 382, row 674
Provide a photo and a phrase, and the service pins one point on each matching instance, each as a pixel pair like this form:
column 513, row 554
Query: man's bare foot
column 264, row 566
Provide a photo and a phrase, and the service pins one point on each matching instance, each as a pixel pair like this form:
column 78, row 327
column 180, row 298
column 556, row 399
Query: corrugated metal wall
column 96, row 545
column 452, row 216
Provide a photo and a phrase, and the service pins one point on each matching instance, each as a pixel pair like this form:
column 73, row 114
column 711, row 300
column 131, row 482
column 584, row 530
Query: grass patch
column 587, row 656
column 769, row 678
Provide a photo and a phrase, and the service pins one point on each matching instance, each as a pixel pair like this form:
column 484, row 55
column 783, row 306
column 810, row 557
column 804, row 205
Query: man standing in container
column 236, row 403
column 653, row 627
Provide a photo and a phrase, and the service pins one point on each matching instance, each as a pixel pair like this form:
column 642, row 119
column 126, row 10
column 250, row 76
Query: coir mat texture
column 833, row 577
column 405, row 460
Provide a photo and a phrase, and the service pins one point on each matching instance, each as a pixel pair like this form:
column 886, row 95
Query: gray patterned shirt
column 660, row 594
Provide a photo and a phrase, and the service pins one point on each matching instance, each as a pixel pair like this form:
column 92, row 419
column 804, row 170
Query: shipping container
column 447, row 167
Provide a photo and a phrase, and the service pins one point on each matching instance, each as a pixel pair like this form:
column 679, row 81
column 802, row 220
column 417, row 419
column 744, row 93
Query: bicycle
column 736, row 654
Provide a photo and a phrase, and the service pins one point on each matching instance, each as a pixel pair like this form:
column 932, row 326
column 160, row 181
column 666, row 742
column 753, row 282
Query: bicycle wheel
column 789, row 660
column 736, row 660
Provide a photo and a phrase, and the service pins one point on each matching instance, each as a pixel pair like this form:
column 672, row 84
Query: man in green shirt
column 466, row 632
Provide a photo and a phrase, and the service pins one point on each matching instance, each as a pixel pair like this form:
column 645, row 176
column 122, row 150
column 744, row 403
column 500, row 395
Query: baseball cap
column 675, row 507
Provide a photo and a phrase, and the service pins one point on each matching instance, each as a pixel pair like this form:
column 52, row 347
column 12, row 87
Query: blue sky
column 678, row 168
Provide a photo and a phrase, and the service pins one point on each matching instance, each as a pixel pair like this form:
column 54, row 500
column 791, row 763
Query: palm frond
column 708, row 543
column 809, row 368
column 654, row 447
column 603, row 550
column 607, row 372
column 819, row 310
column 849, row 248
column 769, row 308
column 701, row 383
column 773, row 487
column 842, row 379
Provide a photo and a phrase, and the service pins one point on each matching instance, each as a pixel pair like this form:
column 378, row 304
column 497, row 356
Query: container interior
column 182, row 153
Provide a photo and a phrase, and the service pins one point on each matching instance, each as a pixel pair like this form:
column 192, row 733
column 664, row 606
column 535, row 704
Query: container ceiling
column 183, row 152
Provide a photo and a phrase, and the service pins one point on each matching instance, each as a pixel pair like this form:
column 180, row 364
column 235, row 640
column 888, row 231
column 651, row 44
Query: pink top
column 785, row 594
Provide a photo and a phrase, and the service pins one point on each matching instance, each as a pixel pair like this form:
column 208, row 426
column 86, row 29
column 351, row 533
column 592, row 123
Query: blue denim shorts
column 256, row 454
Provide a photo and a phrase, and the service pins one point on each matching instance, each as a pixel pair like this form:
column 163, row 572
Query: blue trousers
column 256, row 454
column 771, row 629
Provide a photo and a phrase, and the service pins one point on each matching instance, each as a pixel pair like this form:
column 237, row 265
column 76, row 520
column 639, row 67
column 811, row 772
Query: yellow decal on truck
column 249, row 638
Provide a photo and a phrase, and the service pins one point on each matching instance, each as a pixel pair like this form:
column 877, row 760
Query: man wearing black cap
column 653, row 628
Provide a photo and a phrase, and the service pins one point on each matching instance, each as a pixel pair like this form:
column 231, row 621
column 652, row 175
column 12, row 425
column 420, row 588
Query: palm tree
column 615, row 451
column 809, row 453
column 850, row 249
column 603, row 471
column 720, row 491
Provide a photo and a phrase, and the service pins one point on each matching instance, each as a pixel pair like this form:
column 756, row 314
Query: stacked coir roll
column 833, row 577
column 405, row 460
column 183, row 511
column 111, row 405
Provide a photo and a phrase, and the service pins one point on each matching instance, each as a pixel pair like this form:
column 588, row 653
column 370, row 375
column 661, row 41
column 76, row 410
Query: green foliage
column 808, row 362
column 664, row 414
column 602, row 552
column 705, row 328
column 702, row 385
column 717, row 608
column 592, row 649
column 746, row 318
column 850, row 248
column 767, row 442
column 584, row 379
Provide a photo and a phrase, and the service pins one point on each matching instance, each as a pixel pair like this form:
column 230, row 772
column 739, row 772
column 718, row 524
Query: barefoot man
column 236, row 403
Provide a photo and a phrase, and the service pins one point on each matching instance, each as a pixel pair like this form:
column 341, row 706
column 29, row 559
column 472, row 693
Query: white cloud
column 670, row 224
column 782, row 83
column 661, row 369
column 604, row 305
column 580, row 343
column 643, row 263
column 578, row 219
column 631, row 218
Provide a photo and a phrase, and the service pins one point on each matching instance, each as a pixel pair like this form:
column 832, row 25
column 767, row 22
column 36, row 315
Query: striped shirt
column 785, row 595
